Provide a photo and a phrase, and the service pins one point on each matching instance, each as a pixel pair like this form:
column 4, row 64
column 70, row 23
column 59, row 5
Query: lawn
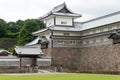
column 62, row 77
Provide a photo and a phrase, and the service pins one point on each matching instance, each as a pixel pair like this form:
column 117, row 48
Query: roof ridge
column 63, row 4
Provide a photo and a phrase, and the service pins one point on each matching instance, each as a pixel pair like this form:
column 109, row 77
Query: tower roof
column 61, row 10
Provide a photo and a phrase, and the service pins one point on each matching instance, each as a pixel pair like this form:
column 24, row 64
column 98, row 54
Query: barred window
column 60, row 42
column 66, row 34
column 63, row 22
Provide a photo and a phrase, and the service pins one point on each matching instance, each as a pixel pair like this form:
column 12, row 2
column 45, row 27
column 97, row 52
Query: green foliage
column 19, row 30
column 10, row 49
column 3, row 29
column 1, row 48
column 30, row 26
column 13, row 27
column 12, row 35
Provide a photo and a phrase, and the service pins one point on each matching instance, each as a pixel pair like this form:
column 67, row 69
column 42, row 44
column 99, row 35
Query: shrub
column 12, row 35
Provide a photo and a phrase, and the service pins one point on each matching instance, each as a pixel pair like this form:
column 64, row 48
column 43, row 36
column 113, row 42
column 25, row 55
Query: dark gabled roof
column 115, row 34
column 38, row 40
column 61, row 9
column 25, row 50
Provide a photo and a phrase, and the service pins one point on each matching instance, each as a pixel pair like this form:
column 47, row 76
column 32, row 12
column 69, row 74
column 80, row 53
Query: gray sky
column 12, row 10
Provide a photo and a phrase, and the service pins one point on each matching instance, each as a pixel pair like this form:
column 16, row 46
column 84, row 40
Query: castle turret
column 60, row 15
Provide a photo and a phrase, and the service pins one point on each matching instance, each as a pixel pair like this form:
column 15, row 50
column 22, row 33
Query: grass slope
column 62, row 77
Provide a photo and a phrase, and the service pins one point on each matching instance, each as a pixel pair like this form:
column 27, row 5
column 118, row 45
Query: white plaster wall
column 47, row 34
column 97, row 31
column 97, row 39
column 43, row 59
column 64, row 19
column 49, row 21
column 105, row 29
column 70, row 33
column 10, row 59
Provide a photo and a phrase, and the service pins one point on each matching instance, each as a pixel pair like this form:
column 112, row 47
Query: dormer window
column 63, row 22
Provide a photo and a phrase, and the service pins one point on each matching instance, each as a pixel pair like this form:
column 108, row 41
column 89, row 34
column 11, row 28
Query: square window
column 63, row 22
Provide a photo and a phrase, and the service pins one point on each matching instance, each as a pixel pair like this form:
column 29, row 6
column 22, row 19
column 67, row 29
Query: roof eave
column 70, row 15
column 40, row 31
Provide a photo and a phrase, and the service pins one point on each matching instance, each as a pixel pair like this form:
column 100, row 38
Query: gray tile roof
column 55, row 11
column 108, row 15
column 25, row 50
column 58, row 28
column 36, row 41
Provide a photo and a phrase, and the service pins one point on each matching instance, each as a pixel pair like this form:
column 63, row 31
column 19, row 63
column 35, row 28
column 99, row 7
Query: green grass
column 62, row 77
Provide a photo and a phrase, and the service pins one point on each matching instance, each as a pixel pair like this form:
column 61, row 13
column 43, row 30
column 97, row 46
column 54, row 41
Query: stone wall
column 68, row 58
column 104, row 57
column 7, row 43
column 28, row 61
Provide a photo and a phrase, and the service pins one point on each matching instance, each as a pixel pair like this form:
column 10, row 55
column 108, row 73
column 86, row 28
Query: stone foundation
column 7, row 43
column 10, row 69
column 104, row 57
column 67, row 58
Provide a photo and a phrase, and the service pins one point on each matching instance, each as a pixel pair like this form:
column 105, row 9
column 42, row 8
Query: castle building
column 89, row 45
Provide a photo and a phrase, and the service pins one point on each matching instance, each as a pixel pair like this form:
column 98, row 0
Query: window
column 84, row 33
column 60, row 42
column 94, row 31
column 109, row 28
column 66, row 34
column 72, row 42
column 101, row 30
column 118, row 26
column 69, row 42
column 63, row 22
column 87, row 42
column 44, row 45
column 65, row 42
column 114, row 27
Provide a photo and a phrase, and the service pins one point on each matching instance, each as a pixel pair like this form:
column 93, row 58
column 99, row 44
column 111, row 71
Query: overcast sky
column 12, row 10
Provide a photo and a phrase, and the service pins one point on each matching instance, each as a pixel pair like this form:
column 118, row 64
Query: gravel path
column 40, row 72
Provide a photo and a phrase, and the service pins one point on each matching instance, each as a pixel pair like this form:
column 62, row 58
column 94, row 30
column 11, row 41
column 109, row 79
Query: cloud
column 12, row 10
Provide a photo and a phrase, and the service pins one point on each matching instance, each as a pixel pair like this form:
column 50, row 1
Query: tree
column 30, row 25
column 11, row 27
column 3, row 29
column 14, row 27
column 19, row 24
